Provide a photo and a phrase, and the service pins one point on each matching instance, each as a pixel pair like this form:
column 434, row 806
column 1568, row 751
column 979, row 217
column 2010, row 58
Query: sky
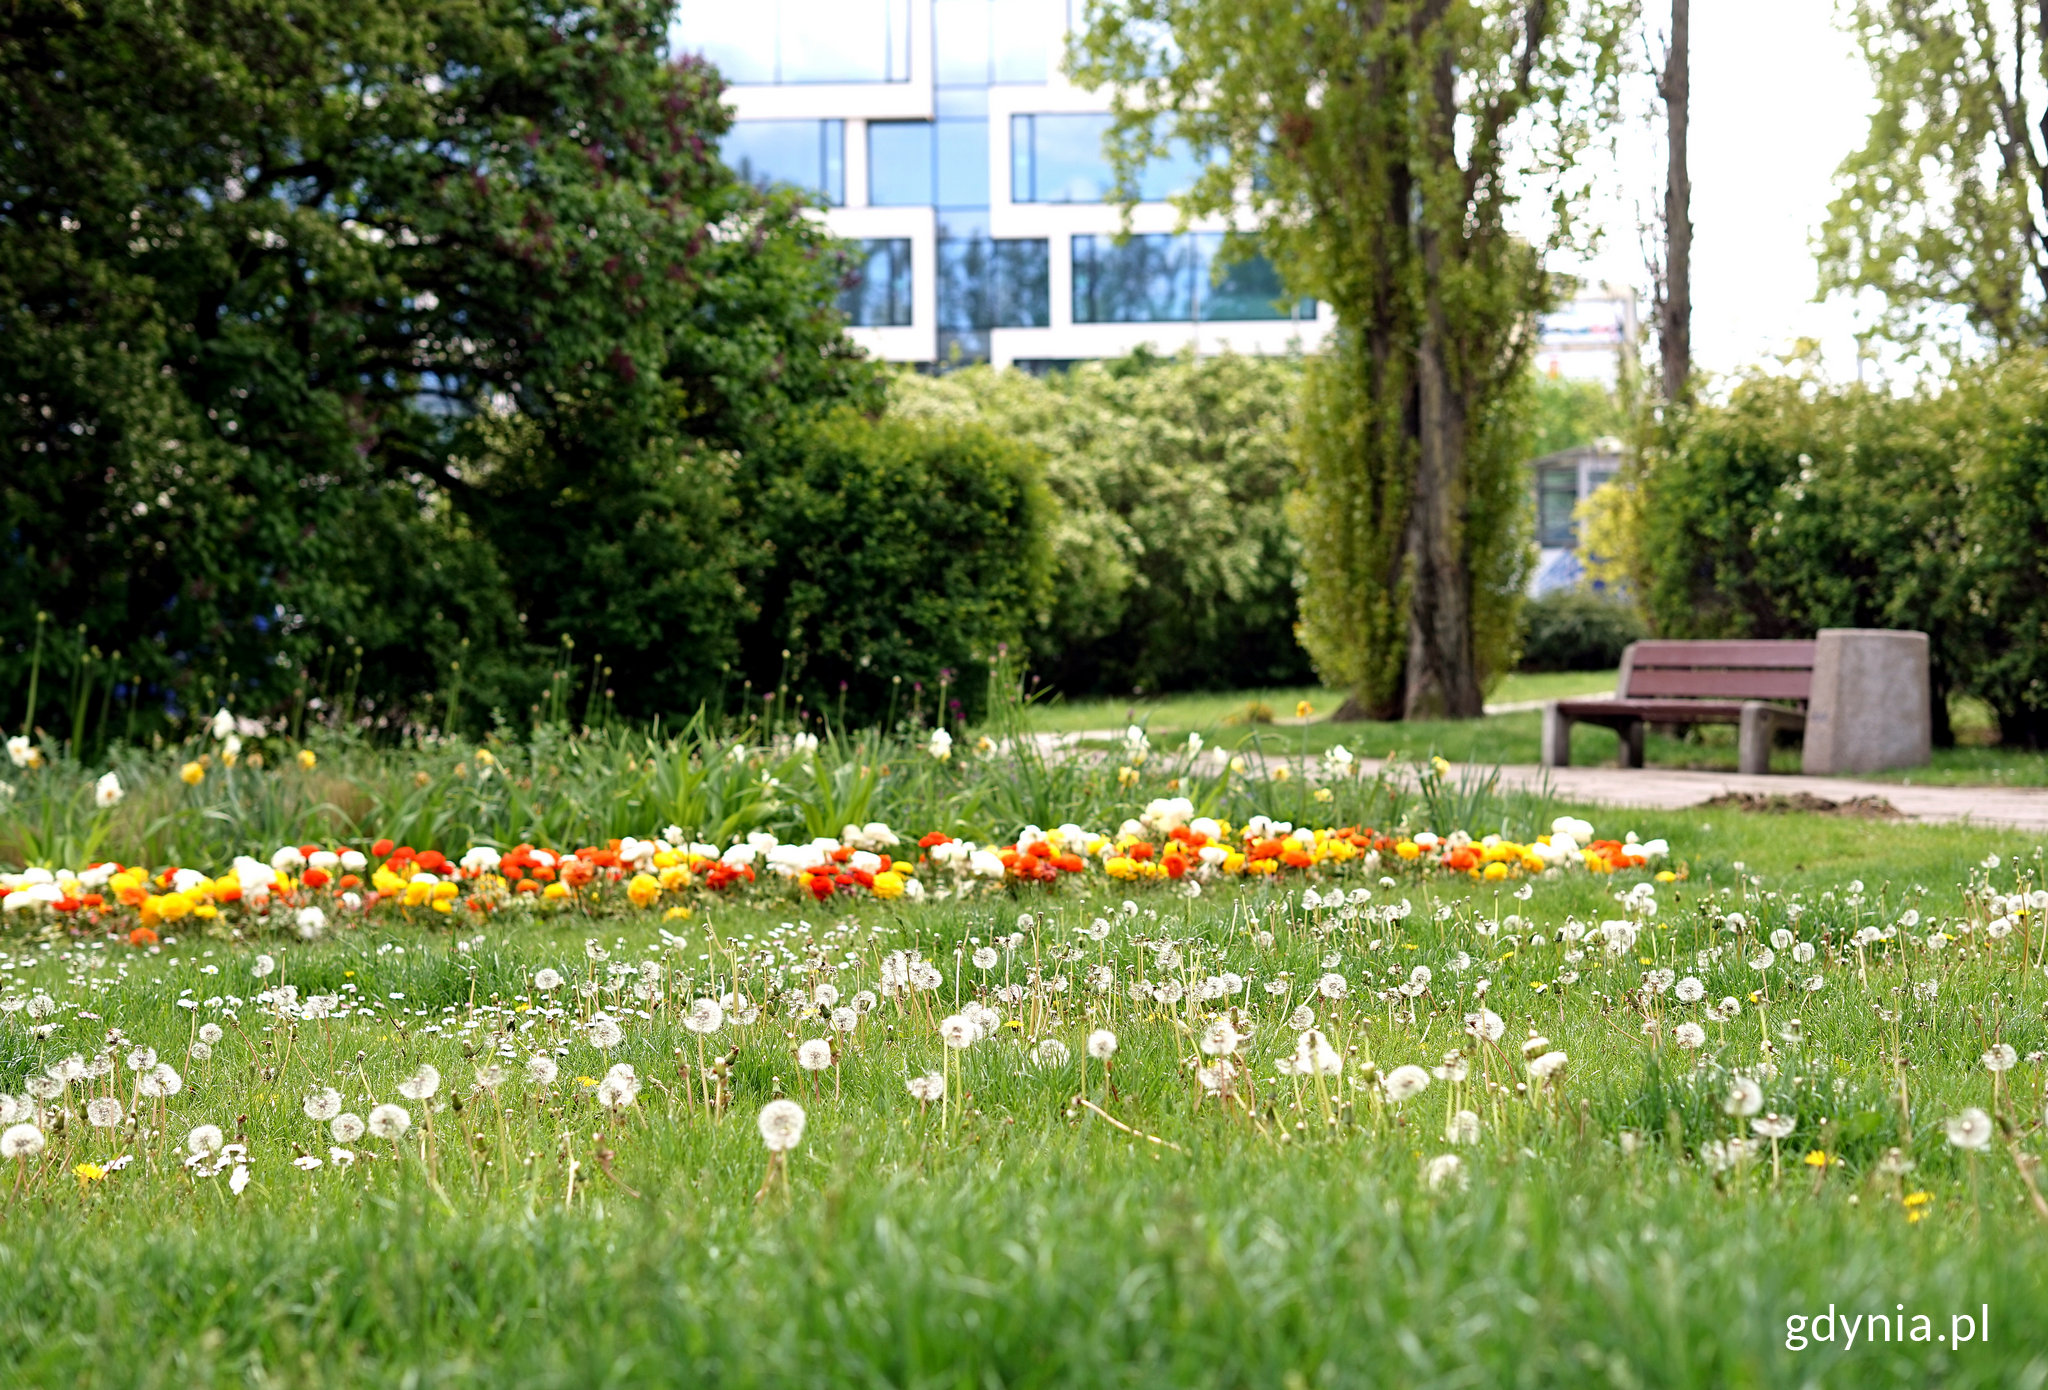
column 1779, row 98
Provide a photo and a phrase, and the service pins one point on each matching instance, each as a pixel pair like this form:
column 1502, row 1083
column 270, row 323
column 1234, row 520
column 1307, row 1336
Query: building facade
column 943, row 141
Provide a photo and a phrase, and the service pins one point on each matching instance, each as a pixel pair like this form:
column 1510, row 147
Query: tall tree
column 1375, row 152
column 385, row 323
column 1944, row 211
column 1672, row 275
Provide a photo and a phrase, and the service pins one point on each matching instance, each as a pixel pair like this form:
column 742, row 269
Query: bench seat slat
column 1690, row 655
column 1656, row 711
column 1707, row 683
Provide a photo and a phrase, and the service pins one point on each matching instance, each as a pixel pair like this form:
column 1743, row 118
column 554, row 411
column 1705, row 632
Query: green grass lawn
column 521, row 1234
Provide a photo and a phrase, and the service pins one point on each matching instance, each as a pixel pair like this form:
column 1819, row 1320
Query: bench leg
column 1632, row 743
column 1557, row 737
column 1753, row 738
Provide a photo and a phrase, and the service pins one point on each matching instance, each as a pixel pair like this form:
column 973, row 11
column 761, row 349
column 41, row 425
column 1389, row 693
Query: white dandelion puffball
column 2000, row 1057
column 1549, row 1065
column 1445, row 1170
column 929, row 1087
column 985, row 958
column 23, row 1141
column 620, row 1087
column 205, row 1140
column 844, row 1019
column 958, row 1032
column 1405, row 1083
column 390, row 1121
column 1485, row 1024
column 1051, row 1054
column 547, row 979
column 814, row 1055
column 211, row 1034
column 1776, row 1126
column 1689, row 1036
column 103, row 1113
column 1220, row 1038
column 705, row 1016
column 542, row 1070
column 346, row 1128
column 1102, row 1044
column 1969, row 1130
column 605, row 1034
column 323, row 1105
column 422, row 1084
column 159, row 1081
column 1690, row 990
column 1462, row 1128
column 1745, row 1098
column 782, row 1125
column 142, row 1059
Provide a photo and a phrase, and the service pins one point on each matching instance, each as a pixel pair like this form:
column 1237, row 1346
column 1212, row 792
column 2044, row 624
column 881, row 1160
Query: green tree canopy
column 361, row 323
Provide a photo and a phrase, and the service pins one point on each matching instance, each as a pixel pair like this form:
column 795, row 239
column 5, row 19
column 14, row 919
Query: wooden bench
column 1760, row 687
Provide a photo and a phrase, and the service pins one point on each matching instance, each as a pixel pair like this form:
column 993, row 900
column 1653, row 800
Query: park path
column 1675, row 789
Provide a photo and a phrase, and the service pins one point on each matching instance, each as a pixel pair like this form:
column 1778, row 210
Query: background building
column 947, row 145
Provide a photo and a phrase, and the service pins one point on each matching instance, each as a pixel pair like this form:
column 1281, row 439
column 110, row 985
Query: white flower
column 239, row 1179
column 1462, row 1128
column 2000, row 1057
column 605, row 1034
column 1314, row 1056
column 346, row 1128
column 389, row 1121
column 323, row 1105
column 547, row 979
column 985, row 958
column 205, row 1141
column 1745, row 1098
column 940, row 747
column 1689, row 1036
column 1969, row 1130
column 1102, row 1044
column 263, row 965
column 103, row 1112
column 1221, row 1038
column 340, row 1157
column 312, row 922
column 1485, row 1024
column 24, row 754
column 22, row 1141
column 620, row 1087
column 959, row 1032
column 1776, row 1126
column 307, row 1162
column 927, row 1088
column 107, row 791
column 421, row 1085
column 814, row 1055
column 705, row 1016
column 1547, row 1066
column 223, row 724
column 1051, row 1054
column 1404, row 1083
column 160, row 1080
column 782, row 1124
column 541, row 1070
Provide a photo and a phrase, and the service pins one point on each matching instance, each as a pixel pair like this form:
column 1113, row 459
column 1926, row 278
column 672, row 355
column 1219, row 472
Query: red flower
column 820, row 886
column 1140, row 851
column 381, row 849
column 142, row 936
column 1175, row 865
column 349, row 881
column 316, row 878
column 935, row 838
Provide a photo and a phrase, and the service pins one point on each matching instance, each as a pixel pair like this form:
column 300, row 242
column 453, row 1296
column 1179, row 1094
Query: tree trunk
column 1674, row 298
column 1443, row 676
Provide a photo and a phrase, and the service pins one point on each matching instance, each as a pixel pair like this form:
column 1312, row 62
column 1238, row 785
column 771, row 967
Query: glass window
column 1060, row 159
column 1557, row 492
column 810, row 155
column 1019, row 30
column 963, row 164
column 1148, row 279
column 796, row 41
column 1172, row 279
column 985, row 283
column 876, row 293
column 900, row 163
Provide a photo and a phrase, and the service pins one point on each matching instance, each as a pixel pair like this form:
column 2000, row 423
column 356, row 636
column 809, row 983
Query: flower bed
column 312, row 886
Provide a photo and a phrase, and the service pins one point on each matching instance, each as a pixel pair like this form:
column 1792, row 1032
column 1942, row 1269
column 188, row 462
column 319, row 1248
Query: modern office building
column 944, row 141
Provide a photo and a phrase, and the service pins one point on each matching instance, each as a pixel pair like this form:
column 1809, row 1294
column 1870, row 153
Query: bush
column 1577, row 632
column 895, row 555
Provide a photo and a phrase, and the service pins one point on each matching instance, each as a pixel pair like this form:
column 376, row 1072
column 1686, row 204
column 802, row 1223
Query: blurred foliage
column 1173, row 564
column 1797, row 506
column 1567, row 631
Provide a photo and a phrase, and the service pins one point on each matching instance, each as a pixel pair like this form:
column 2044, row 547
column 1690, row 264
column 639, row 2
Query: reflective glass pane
column 877, row 292
column 1020, row 29
column 1149, row 279
column 1067, row 160
column 963, row 164
column 804, row 154
column 1169, row 175
column 1023, row 169
column 1023, row 278
column 1557, row 492
column 960, row 41
column 984, row 283
column 834, row 40
column 739, row 41
column 900, row 163
column 1247, row 291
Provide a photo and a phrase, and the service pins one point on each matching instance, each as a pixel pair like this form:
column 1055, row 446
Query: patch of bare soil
column 1855, row 807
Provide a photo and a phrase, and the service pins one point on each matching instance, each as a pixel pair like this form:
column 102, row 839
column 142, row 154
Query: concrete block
column 1871, row 704
column 1557, row 737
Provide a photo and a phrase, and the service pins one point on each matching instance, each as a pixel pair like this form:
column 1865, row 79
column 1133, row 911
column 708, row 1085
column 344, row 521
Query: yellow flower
column 1325, row 794
column 1304, row 710
column 485, row 758
column 1281, row 774
column 1496, row 870
column 89, row 1173
column 1408, row 849
column 1237, row 765
column 643, row 889
column 1666, row 876
column 675, row 914
column 889, row 884
column 1916, row 1205
column 1443, row 769
column 308, row 759
column 191, row 774
column 557, row 889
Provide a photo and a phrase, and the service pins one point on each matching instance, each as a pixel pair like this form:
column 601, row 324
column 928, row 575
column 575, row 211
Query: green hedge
column 1570, row 631
column 1795, row 506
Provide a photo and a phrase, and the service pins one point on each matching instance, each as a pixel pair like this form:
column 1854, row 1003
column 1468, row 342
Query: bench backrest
column 1739, row 670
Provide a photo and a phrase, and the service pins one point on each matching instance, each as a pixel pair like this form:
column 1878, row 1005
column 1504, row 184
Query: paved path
column 1672, row 789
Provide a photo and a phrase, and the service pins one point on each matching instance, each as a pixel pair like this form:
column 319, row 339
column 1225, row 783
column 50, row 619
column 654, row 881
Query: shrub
column 894, row 551
column 1577, row 632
